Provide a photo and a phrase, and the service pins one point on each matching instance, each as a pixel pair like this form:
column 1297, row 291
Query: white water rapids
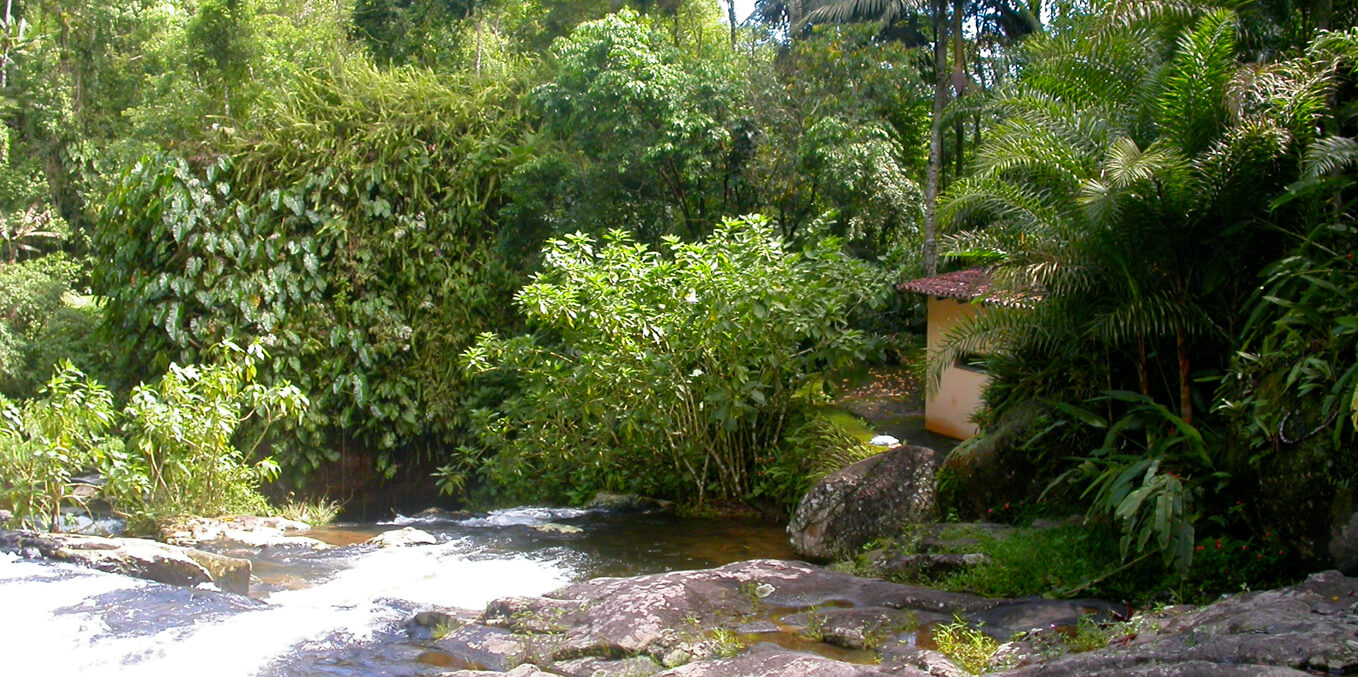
column 74, row 621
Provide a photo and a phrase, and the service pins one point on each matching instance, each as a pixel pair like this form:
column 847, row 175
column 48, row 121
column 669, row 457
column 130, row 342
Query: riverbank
column 532, row 592
column 784, row 618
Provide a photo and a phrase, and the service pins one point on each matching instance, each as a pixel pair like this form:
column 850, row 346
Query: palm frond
column 886, row 12
column 1001, row 204
column 1329, row 155
column 1154, row 315
column 1128, row 13
column 1192, row 108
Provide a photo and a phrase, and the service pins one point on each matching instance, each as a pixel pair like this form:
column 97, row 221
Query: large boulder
column 865, row 501
column 136, row 557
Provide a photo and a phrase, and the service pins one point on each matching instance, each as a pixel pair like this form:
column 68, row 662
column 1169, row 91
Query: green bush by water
column 172, row 450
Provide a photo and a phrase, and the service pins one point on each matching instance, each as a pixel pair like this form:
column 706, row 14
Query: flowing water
column 340, row 612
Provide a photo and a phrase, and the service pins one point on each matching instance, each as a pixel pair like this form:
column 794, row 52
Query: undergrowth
column 1084, row 560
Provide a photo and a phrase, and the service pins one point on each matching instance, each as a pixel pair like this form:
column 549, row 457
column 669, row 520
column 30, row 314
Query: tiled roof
column 963, row 285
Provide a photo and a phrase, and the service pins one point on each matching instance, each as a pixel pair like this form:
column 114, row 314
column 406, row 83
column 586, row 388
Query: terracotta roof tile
column 963, row 285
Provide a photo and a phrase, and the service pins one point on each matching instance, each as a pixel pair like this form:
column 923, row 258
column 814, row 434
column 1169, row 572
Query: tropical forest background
column 527, row 250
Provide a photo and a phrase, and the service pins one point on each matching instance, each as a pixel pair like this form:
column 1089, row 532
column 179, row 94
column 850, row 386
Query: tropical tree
column 946, row 25
column 639, row 131
column 1129, row 205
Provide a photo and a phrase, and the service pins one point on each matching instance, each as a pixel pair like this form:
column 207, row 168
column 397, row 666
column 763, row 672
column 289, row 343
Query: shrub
column 666, row 372
column 181, row 454
column 44, row 442
column 182, row 428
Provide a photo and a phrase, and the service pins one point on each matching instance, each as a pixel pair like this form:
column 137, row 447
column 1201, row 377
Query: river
column 341, row 612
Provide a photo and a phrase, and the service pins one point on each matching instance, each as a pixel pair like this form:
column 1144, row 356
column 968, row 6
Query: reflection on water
column 342, row 611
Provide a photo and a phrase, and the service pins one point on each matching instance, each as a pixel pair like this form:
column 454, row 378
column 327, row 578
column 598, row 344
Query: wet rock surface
column 241, row 532
column 134, row 557
column 401, row 538
column 767, row 617
column 687, row 619
column 1309, row 627
column 773, row 661
column 867, row 500
column 628, row 503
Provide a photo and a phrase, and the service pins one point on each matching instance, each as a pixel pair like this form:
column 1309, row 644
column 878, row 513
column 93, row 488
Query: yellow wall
column 947, row 408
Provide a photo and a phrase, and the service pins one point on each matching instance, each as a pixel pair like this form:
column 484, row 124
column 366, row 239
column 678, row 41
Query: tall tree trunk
column 13, row 34
column 731, row 16
column 1185, row 393
column 935, row 166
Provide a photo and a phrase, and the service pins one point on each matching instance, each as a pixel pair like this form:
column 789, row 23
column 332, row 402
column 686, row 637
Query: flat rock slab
column 525, row 670
column 1310, row 627
column 245, row 531
column 776, row 662
column 493, row 648
column 638, row 666
column 135, row 557
column 626, row 626
column 658, row 614
column 400, row 538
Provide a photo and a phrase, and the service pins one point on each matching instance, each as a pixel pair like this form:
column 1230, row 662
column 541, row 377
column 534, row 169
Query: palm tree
column 1128, row 183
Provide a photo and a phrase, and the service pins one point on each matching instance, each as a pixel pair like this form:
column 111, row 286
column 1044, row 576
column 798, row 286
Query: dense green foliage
column 1137, row 211
column 43, row 321
column 367, row 222
column 351, row 233
column 710, row 345
column 171, row 451
column 1163, row 189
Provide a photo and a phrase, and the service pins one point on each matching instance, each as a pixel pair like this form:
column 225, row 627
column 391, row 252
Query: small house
column 952, row 297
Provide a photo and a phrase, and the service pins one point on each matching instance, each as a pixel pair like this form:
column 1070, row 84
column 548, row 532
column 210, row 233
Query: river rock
column 5, row 517
column 136, row 557
column 244, row 531
column 554, row 528
column 772, row 661
column 402, row 537
column 628, row 503
column 1310, row 627
column 636, row 666
column 493, row 648
column 673, row 618
column 865, row 501
column 525, row 670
